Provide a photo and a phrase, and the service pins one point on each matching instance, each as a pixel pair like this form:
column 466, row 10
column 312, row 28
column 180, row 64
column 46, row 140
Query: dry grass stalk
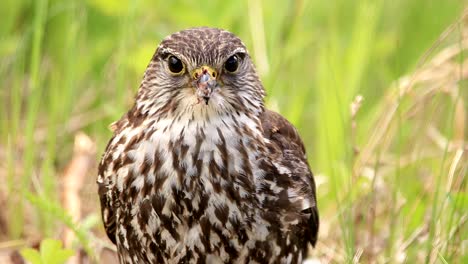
column 74, row 176
column 415, row 99
column 440, row 75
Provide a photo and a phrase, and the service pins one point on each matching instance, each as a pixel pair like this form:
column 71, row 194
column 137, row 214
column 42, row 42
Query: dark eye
column 175, row 65
column 232, row 64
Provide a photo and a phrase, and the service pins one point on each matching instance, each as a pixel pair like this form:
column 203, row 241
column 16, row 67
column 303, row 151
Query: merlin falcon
column 198, row 171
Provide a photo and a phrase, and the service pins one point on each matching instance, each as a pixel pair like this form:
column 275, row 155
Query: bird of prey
column 198, row 171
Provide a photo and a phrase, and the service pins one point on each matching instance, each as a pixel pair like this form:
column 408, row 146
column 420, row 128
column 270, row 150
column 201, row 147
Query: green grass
column 391, row 178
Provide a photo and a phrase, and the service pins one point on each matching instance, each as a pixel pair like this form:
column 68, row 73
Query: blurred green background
column 391, row 175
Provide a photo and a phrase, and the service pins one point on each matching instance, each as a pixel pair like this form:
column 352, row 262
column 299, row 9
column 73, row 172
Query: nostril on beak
column 204, row 78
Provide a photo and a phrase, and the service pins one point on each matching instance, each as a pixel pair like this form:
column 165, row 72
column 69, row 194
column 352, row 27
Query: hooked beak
column 205, row 82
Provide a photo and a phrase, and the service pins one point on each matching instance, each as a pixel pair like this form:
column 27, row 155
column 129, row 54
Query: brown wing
column 108, row 216
column 106, row 181
column 105, row 196
column 285, row 136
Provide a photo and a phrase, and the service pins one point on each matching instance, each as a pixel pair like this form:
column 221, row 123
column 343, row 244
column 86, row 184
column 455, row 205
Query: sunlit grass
column 391, row 177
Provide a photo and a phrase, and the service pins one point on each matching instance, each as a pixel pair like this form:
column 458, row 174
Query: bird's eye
column 232, row 64
column 175, row 65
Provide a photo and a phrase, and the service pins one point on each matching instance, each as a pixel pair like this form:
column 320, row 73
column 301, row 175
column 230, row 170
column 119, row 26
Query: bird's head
column 201, row 70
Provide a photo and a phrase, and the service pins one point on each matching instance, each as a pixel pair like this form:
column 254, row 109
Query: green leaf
column 62, row 256
column 52, row 252
column 31, row 255
column 49, row 247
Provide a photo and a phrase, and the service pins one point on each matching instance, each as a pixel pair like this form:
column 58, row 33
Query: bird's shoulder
column 105, row 192
column 106, row 174
column 288, row 156
column 281, row 132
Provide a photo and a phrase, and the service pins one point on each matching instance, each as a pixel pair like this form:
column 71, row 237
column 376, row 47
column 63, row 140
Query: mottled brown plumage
column 198, row 171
